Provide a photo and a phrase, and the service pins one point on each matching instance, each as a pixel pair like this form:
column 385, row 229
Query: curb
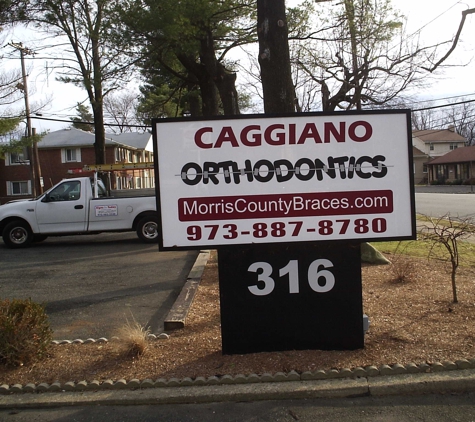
column 368, row 373
column 445, row 382
column 177, row 316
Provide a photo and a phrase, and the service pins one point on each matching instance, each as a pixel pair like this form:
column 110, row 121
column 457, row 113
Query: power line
column 442, row 106
column 90, row 123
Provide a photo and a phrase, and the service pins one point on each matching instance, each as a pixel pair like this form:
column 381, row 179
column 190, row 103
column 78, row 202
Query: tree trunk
column 225, row 81
column 208, row 90
column 454, row 284
column 274, row 57
column 97, row 104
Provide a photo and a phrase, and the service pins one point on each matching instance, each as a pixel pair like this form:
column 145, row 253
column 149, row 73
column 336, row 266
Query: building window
column 19, row 188
column 17, row 158
column 71, row 155
column 431, row 147
column 424, row 168
column 453, row 146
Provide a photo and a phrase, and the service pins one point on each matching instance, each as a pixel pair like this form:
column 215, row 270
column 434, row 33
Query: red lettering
column 198, row 137
column 256, row 136
column 226, row 135
column 330, row 129
column 310, row 131
column 352, row 131
column 292, row 139
column 280, row 136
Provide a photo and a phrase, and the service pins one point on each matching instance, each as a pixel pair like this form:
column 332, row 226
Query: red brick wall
column 52, row 170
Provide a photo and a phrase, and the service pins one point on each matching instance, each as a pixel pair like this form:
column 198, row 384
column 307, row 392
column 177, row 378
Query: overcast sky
column 437, row 21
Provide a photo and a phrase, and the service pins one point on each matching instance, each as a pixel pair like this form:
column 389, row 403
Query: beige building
column 431, row 144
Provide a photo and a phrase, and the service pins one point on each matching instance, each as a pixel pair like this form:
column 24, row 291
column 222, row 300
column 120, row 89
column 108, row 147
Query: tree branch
column 454, row 44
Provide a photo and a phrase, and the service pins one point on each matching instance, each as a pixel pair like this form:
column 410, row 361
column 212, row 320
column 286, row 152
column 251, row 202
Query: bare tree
column 121, row 108
column 454, row 42
column 94, row 61
column 462, row 116
column 427, row 118
column 447, row 231
column 361, row 55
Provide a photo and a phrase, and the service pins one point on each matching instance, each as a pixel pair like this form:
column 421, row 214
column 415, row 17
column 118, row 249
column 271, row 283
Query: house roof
column 134, row 139
column 438, row 135
column 72, row 137
column 416, row 152
column 458, row 155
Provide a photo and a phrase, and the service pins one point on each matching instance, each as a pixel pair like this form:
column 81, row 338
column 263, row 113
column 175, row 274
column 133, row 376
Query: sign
column 292, row 297
column 106, row 211
column 304, row 177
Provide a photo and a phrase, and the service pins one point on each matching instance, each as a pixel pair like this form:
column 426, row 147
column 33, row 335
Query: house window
column 431, row 147
column 19, row 188
column 71, row 155
column 424, row 168
column 453, row 146
column 17, row 158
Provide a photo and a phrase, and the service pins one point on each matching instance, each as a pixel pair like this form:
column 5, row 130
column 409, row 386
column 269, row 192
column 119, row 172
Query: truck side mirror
column 46, row 198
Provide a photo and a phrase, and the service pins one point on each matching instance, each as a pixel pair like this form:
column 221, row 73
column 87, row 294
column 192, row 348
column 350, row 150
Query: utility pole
column 33, row 148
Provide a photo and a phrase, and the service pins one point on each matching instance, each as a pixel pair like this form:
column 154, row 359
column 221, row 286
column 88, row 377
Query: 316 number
column 320, row 279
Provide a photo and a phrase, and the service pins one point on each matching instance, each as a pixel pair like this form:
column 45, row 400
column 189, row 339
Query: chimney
column 451, row 128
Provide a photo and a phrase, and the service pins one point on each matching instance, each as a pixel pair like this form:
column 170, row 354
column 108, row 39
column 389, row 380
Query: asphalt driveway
column 91, row 285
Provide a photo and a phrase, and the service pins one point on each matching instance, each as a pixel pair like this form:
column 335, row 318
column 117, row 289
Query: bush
column 25, row 335
column 469, row 182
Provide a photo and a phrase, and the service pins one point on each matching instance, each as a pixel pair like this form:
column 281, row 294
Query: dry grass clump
column 134, row 338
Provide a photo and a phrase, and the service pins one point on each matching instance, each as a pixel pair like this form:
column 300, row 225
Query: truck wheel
column 147, row 229
column 17, row 234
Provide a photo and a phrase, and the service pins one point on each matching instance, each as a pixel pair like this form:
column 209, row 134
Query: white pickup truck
column 77, row 206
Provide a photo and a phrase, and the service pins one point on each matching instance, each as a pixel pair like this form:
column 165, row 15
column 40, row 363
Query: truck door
column 63, row 209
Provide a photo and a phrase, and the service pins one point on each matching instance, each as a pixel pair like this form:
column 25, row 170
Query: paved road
column 437, row 201
column 430, row 408
column 92, row 284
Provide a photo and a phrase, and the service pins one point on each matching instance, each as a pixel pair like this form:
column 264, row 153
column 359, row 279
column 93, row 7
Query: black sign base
column 292, row 296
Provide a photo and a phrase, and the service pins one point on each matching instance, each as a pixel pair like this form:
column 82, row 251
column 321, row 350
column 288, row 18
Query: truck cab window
column 67, row 191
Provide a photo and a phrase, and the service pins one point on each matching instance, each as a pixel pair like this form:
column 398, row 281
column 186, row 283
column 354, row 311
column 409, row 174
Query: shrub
column 25, row 334
column 402, row 268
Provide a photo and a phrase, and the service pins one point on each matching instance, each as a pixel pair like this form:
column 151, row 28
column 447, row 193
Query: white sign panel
column 304, row 177
column 106, row 210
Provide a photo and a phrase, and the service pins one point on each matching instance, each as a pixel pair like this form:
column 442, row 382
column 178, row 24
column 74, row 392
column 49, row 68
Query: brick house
column 64, row 153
